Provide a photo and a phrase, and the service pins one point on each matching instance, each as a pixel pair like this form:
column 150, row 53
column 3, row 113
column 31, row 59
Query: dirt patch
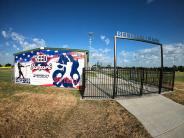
column 26, row 113
column 102, row 119
column 31, row 111
column 178, row 94
column 64, row 115
column 179, row 85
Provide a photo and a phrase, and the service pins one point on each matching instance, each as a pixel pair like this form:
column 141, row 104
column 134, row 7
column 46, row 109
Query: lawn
column 6, row 74
column 179, row 76
column 178, row 94
column 33, row 111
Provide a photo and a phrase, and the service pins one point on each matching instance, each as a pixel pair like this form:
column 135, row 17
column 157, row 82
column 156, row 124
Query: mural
column 49, row 68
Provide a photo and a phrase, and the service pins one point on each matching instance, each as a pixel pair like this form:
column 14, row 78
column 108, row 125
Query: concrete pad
column 161, row 116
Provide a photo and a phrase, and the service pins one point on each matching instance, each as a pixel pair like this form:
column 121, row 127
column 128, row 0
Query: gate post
column 142, row 79
column 173, row 78
column 116, row 82
column 161, row 71
column 83, row 82
column 114, row 86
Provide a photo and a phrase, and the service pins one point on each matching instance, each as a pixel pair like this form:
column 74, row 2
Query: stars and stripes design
column 47, row 61
column 27, row 56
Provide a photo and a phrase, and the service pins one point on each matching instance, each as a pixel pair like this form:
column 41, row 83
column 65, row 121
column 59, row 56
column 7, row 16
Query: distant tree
column 94, row 67
column 175, row 68
column 98, row 65
column 0, row 65
column 8, row 65
column 181, row 68
column 108, row 66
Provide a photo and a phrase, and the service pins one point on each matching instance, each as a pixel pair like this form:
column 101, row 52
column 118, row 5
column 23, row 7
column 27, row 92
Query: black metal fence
column 99, row 83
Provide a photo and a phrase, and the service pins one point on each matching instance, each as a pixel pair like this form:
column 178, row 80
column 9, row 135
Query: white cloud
column 173, row 54
column 6, row 57
column 14, row 46
column 105, row 39
column 105, row 50
column 102, row 37
column 20, row 41
column 7, row 54
column 39, row 42
column 17, row 37
column 4, row 34
column 100, row 55
column 65, row 46
column 150, row 1
column 123, row 53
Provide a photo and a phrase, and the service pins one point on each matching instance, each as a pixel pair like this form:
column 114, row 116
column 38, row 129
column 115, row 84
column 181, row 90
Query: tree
column 98, row 64
column 181, row 68
column 8, row 65
column 108, row 66
column 0, row 65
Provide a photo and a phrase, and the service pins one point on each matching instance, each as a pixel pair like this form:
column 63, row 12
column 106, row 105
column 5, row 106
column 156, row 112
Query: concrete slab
column 161, row 116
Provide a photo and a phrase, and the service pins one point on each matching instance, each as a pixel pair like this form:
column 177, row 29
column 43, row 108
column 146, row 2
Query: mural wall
column 49, row 68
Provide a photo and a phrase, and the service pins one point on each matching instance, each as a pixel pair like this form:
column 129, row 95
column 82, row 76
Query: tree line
column 6, row 65
column 179, row 68
column 176, row 68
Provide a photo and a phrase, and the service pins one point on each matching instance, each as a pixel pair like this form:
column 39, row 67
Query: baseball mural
column 50, row 67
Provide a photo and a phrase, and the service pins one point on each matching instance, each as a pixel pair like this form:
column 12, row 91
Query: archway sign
column 134, row 37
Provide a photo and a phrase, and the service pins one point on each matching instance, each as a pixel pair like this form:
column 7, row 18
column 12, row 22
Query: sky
column 28, row 24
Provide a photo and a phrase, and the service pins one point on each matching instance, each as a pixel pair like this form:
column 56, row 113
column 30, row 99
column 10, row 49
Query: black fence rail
column 168, row 80
column 99, row 83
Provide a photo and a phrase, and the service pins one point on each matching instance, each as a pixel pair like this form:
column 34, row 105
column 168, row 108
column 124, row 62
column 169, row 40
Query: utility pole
column 174, row 59
column 90, row 34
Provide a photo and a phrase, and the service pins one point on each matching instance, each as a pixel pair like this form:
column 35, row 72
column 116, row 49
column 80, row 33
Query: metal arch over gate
column 116, row 81
column 150, row 40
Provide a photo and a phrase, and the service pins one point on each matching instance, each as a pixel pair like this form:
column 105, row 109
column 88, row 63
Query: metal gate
column 99, row 83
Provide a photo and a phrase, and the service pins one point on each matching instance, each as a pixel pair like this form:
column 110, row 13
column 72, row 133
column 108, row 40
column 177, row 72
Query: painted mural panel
column 49, row 68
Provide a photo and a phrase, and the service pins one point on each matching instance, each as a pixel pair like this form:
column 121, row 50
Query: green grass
column 91, row 74
column 6, row 74
column 179, row 76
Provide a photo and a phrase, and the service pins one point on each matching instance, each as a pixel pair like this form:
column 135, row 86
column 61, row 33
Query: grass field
column 178, row 94
column 6, row 74
column 33, row 111
column 179, row 77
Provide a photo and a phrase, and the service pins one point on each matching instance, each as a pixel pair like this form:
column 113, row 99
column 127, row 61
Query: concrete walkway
column 162, row 117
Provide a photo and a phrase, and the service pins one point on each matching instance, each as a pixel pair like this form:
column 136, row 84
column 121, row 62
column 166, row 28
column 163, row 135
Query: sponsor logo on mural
column 23, row 80
column 39, row 67
column 41, row 58
column 40, row 76
column 40, row 62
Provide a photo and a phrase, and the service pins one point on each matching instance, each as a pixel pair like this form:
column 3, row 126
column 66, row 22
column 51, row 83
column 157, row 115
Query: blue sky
column 26, row 24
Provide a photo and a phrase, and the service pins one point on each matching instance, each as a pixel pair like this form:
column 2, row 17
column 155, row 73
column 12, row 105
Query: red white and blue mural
column 61, row 68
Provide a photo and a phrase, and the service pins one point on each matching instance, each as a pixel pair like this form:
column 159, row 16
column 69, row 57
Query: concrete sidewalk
column 162, row 117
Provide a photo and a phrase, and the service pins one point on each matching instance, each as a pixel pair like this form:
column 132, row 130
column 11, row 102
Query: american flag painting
column 49, row 67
